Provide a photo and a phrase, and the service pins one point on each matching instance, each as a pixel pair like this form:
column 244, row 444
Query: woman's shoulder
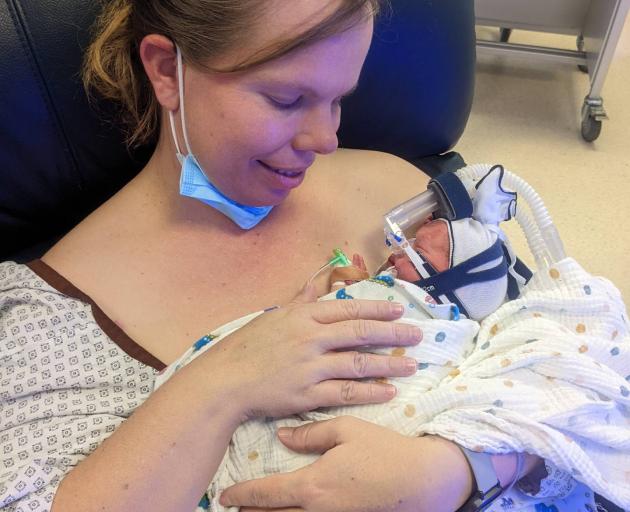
column 351, row 190
column 373, row 170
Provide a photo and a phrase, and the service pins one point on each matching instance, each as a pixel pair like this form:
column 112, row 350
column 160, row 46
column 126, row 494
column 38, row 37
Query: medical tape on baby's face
column 182, row 108
column 418, row 264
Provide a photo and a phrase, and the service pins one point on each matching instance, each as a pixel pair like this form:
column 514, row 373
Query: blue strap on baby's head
column 454, row 197
column 461, row 275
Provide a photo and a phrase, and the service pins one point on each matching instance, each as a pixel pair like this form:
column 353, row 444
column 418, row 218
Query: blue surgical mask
column 195, row 183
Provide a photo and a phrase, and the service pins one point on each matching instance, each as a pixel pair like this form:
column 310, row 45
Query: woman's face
column 255, row 133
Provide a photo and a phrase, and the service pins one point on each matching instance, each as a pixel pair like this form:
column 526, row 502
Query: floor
column 526, row 115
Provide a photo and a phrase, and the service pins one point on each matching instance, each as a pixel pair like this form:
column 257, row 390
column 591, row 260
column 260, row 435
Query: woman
column 261, row 83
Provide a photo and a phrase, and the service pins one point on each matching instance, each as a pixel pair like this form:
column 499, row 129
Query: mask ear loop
column 180, row 84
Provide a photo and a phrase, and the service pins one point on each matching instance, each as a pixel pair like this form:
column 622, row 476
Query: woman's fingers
column 275, row 491
column 358, row 333
column 314, row 437
column 332, row 393
column 330, row 311
column 358, row 365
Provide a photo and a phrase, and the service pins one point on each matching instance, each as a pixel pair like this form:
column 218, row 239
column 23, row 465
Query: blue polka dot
column 384, row 280
column 440, row 337
column 531, row 340
column 411, row 306
column 485, row 345
column 576, row 472
column 498, row 403
column 204, row 503
column 587, row 289
column 624, row 391
column 423, row 366
column 628, row 378
column 341, row 294
column 614, row 351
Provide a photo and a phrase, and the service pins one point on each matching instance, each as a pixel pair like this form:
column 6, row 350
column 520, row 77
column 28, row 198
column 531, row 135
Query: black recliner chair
column 59, row 159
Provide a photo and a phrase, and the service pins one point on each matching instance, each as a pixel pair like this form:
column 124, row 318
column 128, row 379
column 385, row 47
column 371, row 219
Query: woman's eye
column 285, row 104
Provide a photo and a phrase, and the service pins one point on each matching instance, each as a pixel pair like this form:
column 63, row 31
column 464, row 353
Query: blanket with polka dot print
column 547, row 374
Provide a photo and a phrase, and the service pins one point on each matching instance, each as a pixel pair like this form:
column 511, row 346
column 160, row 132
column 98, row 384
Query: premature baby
column 543, row 374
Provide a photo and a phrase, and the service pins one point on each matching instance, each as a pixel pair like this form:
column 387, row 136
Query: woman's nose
column 318, row 132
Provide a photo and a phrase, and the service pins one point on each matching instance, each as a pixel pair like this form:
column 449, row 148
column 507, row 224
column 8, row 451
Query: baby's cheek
column 406, row 270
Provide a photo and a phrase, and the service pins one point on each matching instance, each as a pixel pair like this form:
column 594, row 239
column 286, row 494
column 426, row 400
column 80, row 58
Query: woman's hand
column 300, row 357
column 364, row 467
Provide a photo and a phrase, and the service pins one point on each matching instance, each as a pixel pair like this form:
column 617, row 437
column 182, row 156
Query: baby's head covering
column 468, row 238
column 483, row 269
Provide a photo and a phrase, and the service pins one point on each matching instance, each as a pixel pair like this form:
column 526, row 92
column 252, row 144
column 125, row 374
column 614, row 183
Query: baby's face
column 432, row 244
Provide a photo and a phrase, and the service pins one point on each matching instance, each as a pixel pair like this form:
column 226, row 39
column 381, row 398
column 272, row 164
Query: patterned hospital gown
column 69, row 377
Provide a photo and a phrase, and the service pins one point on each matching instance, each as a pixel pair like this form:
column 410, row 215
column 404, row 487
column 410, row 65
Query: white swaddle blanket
column 547, row 374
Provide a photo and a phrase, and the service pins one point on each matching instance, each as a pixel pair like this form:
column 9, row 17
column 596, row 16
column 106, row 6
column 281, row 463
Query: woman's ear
column 159, row 58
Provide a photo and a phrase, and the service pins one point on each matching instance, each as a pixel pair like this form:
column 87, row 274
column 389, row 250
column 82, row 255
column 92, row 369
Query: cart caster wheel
column 583, row 68
column 591, row 128
column 504, row 35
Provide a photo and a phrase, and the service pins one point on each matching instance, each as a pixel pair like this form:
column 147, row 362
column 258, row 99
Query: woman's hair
column 203, row 30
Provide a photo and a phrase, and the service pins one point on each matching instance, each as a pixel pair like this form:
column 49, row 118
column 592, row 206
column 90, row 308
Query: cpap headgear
column 194, row 182
column 483, row 269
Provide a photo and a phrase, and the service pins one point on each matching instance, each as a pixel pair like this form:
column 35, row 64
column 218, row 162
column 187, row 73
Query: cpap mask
column 473, row 201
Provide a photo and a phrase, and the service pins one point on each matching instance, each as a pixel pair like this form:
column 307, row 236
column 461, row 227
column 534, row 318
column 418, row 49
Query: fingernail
column 399, row 309
column 411, row 364
column 225, row 500
column 285, row 432
column 416, row 334
column 390, row 390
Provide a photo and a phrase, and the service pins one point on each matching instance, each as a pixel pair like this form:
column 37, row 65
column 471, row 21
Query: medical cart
column 596, row 23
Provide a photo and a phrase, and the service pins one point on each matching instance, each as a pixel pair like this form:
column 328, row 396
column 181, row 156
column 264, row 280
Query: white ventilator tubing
column 542, row 236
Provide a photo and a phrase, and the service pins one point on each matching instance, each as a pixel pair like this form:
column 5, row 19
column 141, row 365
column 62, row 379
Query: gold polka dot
column 477, row 448
column 506, row 362
column 537, row 315
column 554, row 273
column 448, row 363
column 410, row 410
column 527, row 351
column 494, row 329
column 454, row 373
column 550, row 378
column 556, row 354
column 382, row 380
column 398, row 352
column 508, row 383
column 252, row 455
column 580, row 328
column 461, row 388
column 583, row 348
column 614, row 335
column 567, row 438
